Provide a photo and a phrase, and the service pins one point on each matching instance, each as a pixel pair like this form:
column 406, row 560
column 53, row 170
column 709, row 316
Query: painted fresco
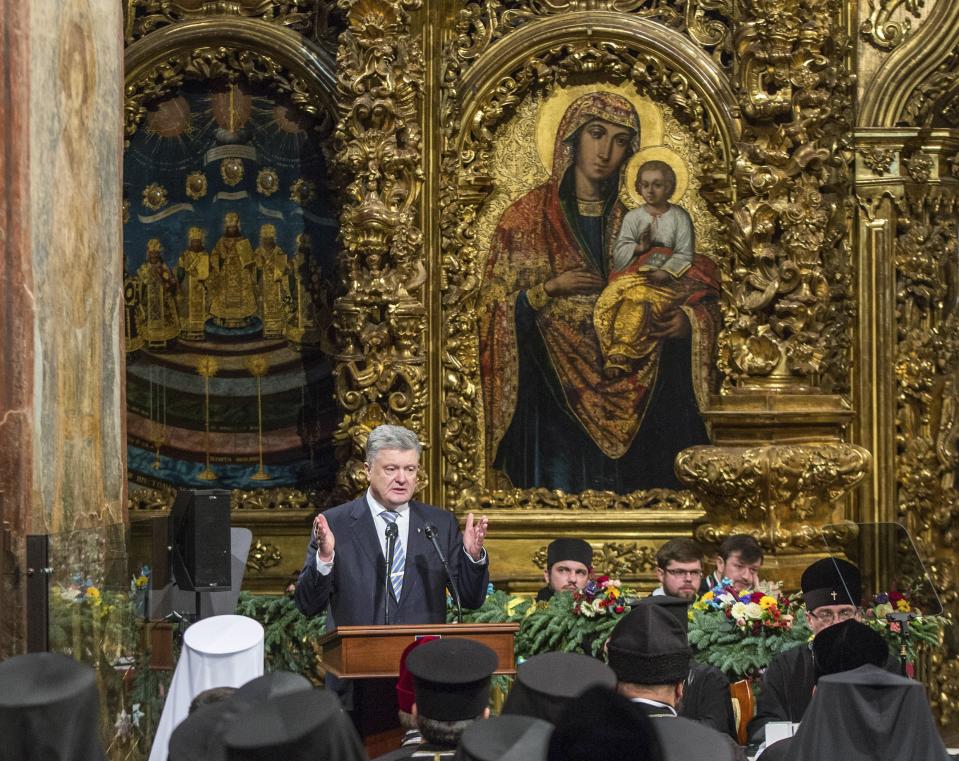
column 600, row 299
column 229, row 258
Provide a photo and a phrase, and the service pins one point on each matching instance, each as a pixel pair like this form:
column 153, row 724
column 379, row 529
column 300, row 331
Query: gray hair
column 445, row 733
column 390, row 437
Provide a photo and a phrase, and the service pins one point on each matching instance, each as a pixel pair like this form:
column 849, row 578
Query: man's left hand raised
column 474, row 535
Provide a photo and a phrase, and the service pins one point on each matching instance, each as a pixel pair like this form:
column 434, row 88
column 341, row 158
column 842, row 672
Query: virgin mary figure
column 553, row 418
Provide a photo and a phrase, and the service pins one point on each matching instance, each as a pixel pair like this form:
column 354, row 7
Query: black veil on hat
column 846, row 646
column 505, row 738
column 199, row 737
column 604, row 726
column 831, row 581
column 569, row 549
column 867, row 714
column 49, row 710
column 547, row 683
column 649, row 646
column 298, row 726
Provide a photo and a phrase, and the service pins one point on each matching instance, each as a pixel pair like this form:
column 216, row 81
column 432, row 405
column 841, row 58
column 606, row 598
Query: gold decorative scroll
column 380, row 371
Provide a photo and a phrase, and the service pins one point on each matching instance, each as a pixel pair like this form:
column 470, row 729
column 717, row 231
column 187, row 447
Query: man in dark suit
column 345, row 568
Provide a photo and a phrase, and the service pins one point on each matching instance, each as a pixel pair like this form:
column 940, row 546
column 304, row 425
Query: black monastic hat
column 569, row 549
column 505, row 738
column 648, row 646
column 678, row 607
column 298, row 726
column 831, row 581
column 451, row 678
column 48, row 709
column 846, row 646
column 547, row 683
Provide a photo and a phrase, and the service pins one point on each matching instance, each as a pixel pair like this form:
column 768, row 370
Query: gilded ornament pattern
column 881, row 30
column 263, row 556
column 787, row 491
column 615, row 559
column 877, row 160
column 589, row 500
column 787, row 318
column 927, row 400
column 380, row 372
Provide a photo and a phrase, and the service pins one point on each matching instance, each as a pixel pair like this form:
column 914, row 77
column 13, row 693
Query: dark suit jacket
column 353, row 591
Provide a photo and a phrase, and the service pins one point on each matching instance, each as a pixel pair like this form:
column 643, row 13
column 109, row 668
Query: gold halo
column 554, row 108
column 631, row 196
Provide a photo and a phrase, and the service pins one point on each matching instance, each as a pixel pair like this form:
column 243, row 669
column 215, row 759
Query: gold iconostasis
column 634, row 270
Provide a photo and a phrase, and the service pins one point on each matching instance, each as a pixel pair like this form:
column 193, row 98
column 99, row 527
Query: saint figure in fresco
column 159, row 320
column 272, row 266
column 193, row 273
column 554, row 417
column 233, row 276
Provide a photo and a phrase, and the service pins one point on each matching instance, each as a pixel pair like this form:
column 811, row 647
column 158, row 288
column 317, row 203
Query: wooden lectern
column 372, row 654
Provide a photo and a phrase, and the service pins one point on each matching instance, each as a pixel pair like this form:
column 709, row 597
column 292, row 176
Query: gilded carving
column 284, row 498
column 784, row 491
column 379, row 321
column 919, row 167
column 263, row 556
column 589, row 500
column 787, row 318
column 615, row 559
column 877, row 160
column 880, row 30
column 307, row 17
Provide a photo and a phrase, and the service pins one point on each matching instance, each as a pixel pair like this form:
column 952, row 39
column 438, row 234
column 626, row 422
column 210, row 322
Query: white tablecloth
column 222, row 651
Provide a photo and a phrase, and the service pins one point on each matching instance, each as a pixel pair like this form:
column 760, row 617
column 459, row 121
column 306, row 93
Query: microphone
column 431, row 535
column 392, row 531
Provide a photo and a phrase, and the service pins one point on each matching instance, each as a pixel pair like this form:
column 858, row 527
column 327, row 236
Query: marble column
column 62, row 448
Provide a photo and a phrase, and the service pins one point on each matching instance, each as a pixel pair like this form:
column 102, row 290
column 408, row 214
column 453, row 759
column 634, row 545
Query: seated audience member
column 547, row 683
column 405, row 697
column 49, row 710
column 650, row 656
column 679, row 568
column 739, row 559
column 199, row 737
column 706, row 696
column 299, row 726
column 867, row 714
column 569, row 564
column 451, row 686
column 603, row 726
column 843, row 647
column 831, row 589
column 505, row 738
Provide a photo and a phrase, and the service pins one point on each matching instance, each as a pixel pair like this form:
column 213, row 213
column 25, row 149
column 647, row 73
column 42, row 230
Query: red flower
column 601, row 580
column 756, row 597
column 619, row 608
column 895, row 597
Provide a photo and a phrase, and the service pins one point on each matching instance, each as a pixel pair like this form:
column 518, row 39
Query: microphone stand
column 431, row 535
column 903, row 620
column 392, row 531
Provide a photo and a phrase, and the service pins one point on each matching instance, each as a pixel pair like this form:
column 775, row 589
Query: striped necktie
column 399, row 557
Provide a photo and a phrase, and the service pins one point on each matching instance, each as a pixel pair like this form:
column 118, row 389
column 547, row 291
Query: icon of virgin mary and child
column 597, row 324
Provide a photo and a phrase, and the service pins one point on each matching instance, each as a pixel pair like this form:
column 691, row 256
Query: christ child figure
column 654, row 250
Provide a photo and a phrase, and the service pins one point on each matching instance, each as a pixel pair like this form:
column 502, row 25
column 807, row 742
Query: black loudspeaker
column 200, row 540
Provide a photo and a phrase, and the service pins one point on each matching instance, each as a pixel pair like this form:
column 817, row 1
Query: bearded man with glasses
column 832, row 590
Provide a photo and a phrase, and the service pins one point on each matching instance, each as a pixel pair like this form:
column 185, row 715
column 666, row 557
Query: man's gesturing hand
column 324, row 538
column 474, row 535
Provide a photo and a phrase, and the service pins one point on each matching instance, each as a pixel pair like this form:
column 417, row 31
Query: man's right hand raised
column 324, row 539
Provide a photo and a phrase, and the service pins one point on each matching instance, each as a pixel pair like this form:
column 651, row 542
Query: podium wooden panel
column 371, row 652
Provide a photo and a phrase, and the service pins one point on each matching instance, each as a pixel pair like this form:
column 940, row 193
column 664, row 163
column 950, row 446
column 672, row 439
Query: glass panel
column 94, row 608
column 888, row 563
